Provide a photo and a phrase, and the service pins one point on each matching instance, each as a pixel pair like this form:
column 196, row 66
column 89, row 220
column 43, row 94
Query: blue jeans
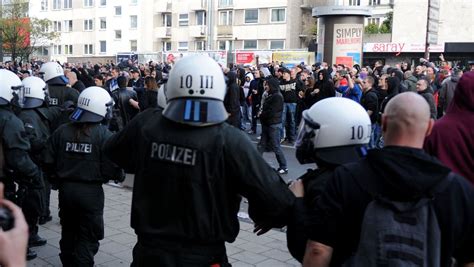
column 270, row 142
column 376, row 138
column 288, row 121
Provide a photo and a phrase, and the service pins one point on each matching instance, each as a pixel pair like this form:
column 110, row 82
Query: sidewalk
column 116, row 248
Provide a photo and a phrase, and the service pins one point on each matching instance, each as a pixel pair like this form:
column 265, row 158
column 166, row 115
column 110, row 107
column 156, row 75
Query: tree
column 22, row 35
column 386, row 26
column 372, row 28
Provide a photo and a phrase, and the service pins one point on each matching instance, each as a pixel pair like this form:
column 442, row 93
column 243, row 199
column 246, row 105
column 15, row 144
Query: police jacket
column 15, row 148
column 58, row 94
column 37, row 125
column 75, row 152
column 189, row 180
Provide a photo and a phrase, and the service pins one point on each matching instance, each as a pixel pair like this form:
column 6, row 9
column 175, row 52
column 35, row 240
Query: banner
column 244, row 58
column 347, row 44
column 293, row 58
column 400, row 48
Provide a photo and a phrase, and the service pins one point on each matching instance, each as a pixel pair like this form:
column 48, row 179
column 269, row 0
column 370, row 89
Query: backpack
column 400, row 234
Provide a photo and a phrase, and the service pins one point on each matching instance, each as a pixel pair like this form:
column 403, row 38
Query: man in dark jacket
column 290, row 90
column 402, row 172
column 232, row 100
column 270, row 118
column 446, row 92
column 426, row 92
column 123, row 109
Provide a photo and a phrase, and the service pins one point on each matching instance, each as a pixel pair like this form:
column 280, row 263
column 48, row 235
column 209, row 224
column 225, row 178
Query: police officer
column 334, row 131
column 190, row 170
column 36, row 118
column 80, row 168
column 59, row 92
column 14, row 145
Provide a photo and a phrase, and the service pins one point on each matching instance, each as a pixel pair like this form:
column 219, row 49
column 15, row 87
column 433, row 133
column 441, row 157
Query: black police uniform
column 62, row 96
column 80, row 169
column 188, row 186
column 37, row 123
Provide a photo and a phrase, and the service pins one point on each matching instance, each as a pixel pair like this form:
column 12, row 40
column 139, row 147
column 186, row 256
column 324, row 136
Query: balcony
column 224, row 30
column 198, row 31
column 163, row 32
column 163, row 7
column 198, row 5
column 307, row 5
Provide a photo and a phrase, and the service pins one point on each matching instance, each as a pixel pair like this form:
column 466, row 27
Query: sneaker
column 30, row 254
column 259, row 137
column 282, row 170
column 251, row 132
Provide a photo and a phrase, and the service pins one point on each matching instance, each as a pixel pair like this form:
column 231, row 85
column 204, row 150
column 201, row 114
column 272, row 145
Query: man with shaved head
column 74, row 82
column 401, row 171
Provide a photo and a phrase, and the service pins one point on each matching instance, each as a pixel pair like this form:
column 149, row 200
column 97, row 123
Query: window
column 118, row 34
column 57, row 26
column 225, row 17
column 68, row 49
column 67, row 4
column 200, row 45
column 103, row 2
column 354, row 2
column 103, row 46
column 250, row 44
column 225, row 3
column 44, row 5
column 133, row 45
column 277, row 44
column 88, row 49
column 56, row 4
column 278, row 15
column 201, row 17
column 167, row 20
column 183, row 19
column 166, row 46
column 118, row 10
column 251, row 15
column 88, row 3
column 374, row 2
column 103, row 23
column 57, row 49
column 375, row 21
column 221, row 45
column 43, row 51
column 133, row 2
column 133, row 22
column 67, row 26
column 182, row 46
column 225, row 45
column 88, row 25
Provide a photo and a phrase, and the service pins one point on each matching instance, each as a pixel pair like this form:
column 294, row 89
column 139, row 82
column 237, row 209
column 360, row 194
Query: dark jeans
column 81, row 213
column 255, row 110
column 46, row 198
column 174, row 256
column 270, row 142
column 288, row 121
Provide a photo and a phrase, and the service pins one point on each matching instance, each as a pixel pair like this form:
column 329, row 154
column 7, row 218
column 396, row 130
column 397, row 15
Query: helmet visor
column 308, row 129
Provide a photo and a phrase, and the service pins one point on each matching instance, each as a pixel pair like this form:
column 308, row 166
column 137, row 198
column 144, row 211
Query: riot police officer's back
column 191, row 169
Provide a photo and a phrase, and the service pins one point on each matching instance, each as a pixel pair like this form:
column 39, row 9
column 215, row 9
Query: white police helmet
column 334, row 130
column 162, row 97
column 94, row 104
column 35, row 92
column 195, row 92
column 11, row 88
column 51, row 70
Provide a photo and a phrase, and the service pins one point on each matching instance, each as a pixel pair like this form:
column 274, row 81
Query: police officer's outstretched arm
column 270, row 200
column 108, row 169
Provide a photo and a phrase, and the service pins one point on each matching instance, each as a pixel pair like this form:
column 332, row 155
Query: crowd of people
column 181, row 129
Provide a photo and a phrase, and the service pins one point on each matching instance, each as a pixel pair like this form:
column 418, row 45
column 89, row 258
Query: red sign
column 244, row 57
column 346, row 61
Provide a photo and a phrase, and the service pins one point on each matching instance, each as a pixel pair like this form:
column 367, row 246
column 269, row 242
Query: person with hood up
column 401, row 171
column 232, row 99
column 452, row 138
column 271, row 119
column 245, row 105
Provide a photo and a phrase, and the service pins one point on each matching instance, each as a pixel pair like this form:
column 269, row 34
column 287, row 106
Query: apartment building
column 94, row 29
